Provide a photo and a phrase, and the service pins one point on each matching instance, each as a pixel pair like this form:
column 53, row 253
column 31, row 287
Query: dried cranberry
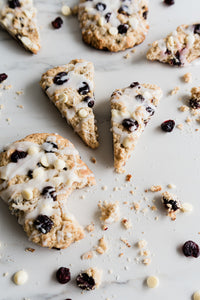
column 134, row 84
column 124, row 10
column 168, row 125
column 57, row 23
column 84, row 89
column 168, row 52
column 49, row 192
column 100, row 6
column 130, row 124
column 197, row 28
column 89, row 100
column 145, row 14
column 139, row 98
column 63, row 275
column 123, row 28
column 170, row 204
column 150, row 110
column 176, row 61
column 194, row 103
column 3, row 76
column 43, row 224
column 169, row 2
column 107, row 17
column 14, row 3
column 61, row 78
column 30, row 174
column 85, row 282
column 18, row 155
column 190, row 248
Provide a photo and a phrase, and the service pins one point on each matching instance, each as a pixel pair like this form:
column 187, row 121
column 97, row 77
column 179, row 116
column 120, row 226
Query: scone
column 113, row 25
column 131, row 110
column 179, row 48
column 37, row 175
column 71, row 89
column 18, row 17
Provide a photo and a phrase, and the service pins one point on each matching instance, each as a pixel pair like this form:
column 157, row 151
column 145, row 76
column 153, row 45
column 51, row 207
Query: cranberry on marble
column 57, row 23
column 190, row 248
column 63, row 275
column 16, row 155
column 3, row 76
column 85, row 282
column 43, row 224
column 169, row 2
column 168, row 125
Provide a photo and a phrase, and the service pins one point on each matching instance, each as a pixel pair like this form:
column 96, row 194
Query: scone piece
column 71, row 89
column 179, row 48
column 131, row 110
column 18, row 17
column 109, row 212
column 37, row 175
column 195, row 98
column 171, row 203
column 89, row 279
column 113, row 25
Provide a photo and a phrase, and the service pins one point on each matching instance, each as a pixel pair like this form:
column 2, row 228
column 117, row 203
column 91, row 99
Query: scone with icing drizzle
column 37, row 175
column 71, row 89
column 179, row 48
column 18, row 17
column 131, row 110
column 113, row 25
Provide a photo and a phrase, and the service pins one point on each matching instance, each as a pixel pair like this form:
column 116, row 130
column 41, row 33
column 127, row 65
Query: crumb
column 90, row 227
column 121, row 254
column 8, row 120
column 104, row 227
column 141, row 244
column 126, row 223
column 145, row 252
column 104, row 188
column 153, row 207
column 188, row 120
column 156, row 188
column 115, row 189
column 5, row 274
column 75, row 10
column 93, row 160
column 131, row 192
column 146, row 261
column 126, row 56
column 156, row 218
column 126, row 242
column 187, row 77
column 7, row 87
column 19, row 93
column 180, row 126
column 171, row 186
column 183, row 108
column 20, row 106
column 102, row 247
column 30, row 249
column 133, row 50
column 175, row 90
column 82, row 196
column 109, row 212
column 1, row 106
column 136, row 206
column 88, row 255
column 128, row 177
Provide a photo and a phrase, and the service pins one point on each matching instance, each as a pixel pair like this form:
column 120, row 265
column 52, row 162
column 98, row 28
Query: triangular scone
column 131, row 109
column 71, row 89
column 113, row 25
column 37, row 175
column 179, row 48
column 18, row 17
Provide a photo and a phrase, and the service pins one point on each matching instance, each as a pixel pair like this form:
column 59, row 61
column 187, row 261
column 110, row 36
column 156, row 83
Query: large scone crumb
column 109, row 212
column 89, row 279
column 102, row 247
column 156, row 188
column 175, row 90
column 171, row 203
column 142, row 244
column 187, row 77
column 126, row 223
column 194, row 101
column 90, row 227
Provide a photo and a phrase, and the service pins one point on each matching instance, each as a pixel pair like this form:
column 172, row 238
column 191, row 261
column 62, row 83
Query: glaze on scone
column 131, row 110
column 113, row 25
column 37, row 175
column 71, row 89
column 19, row 19
column 179, row 48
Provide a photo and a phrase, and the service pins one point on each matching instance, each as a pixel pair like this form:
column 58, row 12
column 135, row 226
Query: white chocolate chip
column 187, row 207
column 127, row 143
column 133, row 22
column 39, row 172
column 196, row 295
column 113, row 31
column 27, row 194
column 33, row 150
column 20, row 277
column 66, row 10
column 142, row 244
column 59, row 164
column 57, row 181
column 44, row 161
column 83, row 113
column 63, row 98
column 171, row 186
column 152, row 282
column 101, row 21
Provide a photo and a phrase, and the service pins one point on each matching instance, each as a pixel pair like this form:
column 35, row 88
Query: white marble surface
column 158, row 159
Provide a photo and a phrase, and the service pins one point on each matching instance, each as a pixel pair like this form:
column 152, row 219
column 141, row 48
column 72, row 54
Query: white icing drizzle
column 135, row 109
column 133, row 9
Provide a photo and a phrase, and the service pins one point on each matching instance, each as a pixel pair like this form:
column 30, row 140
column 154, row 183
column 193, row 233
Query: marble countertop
column 159, row 158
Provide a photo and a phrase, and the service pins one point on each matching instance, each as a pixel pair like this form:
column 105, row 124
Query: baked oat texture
column 113, row 25
column 131, row 110
column 71, row 89
column 37, row 175
column 21, row 23
column 179, row 48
